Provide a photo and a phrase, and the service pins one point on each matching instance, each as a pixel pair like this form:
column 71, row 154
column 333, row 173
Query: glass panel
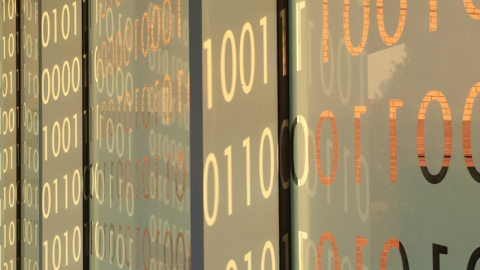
column 61, row 134
column 29, row 131
column 384, row 121
column 8, row 140
column 139, row 135
column 240, row 134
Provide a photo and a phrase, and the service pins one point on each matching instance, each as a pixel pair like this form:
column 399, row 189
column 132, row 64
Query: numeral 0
column 210, row 219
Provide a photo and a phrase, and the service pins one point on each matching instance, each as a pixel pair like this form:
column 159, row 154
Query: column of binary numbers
column 392, row 101
column 433, row 153
column 139, row 140
column 327, row 84
column 8, row 157
column 29, row 130
column 61, row 134
column 240, row 135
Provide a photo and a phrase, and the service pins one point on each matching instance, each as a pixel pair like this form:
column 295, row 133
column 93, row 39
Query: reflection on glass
column 139, row 135
column 29, row 131
column 8, row 135
column 389, row 179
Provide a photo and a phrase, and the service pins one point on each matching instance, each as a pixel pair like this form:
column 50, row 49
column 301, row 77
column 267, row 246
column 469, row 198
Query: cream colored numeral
column 207, row 45
column 228, row 154
column 263, row 22
column 246, row 144
column 248, row 259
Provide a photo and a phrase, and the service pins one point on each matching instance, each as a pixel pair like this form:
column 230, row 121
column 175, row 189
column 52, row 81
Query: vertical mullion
column 196, row 134
column 19, row 135
column 86, row 132
column 40, row 138
column 283, row 136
